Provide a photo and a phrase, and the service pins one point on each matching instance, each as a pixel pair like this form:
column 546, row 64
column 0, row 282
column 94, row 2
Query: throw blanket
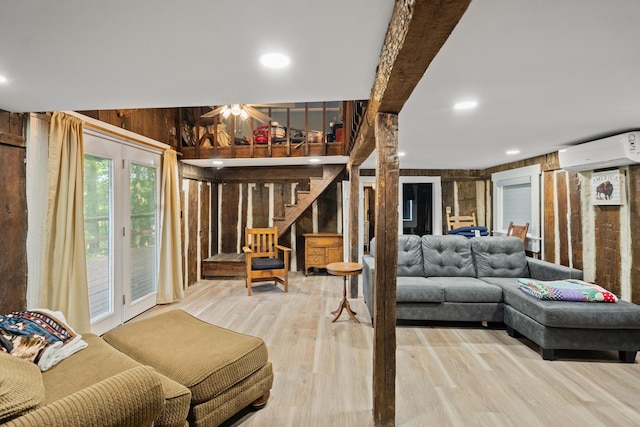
column 40, row 336
column 566, row 290
column 470, row 231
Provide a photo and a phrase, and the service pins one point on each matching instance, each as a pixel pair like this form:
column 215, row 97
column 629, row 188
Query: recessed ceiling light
column 314, row 160
column 275, row 60
column 512, row 152
column 401, row 153
column 465, row 105
column 3, row 79
column 218, row 162
column 562, row 150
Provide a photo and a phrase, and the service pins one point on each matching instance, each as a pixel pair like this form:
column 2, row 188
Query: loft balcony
column 270, row 131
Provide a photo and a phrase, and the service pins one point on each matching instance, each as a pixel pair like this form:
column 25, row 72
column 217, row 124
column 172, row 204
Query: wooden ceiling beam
column 416, row 33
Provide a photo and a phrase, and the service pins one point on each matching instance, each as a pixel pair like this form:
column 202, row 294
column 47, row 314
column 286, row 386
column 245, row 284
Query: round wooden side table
column 344, row 269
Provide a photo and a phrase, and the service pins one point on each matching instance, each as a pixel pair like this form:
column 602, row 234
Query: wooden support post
column 386, row 262
column 416, row 33
column 354, row 204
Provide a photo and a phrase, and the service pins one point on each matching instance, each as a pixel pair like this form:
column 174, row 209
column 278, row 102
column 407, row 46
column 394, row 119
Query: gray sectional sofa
column 452, row 278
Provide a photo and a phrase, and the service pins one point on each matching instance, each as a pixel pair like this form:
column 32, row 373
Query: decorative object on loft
column 607, row 188
column 243, row 110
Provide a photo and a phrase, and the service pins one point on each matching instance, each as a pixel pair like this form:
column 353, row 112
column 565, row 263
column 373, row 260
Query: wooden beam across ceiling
column 416, row 33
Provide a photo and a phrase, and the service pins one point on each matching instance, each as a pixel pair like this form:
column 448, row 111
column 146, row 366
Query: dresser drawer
column 324, row 242
column 316, row 251
column 316, row 260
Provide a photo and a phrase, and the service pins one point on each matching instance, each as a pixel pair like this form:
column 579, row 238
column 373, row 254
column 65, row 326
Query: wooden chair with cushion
column 263, row 259
column 518, row 230
column 461, row 221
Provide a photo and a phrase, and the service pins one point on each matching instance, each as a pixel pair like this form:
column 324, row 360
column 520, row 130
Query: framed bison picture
column 607, row 188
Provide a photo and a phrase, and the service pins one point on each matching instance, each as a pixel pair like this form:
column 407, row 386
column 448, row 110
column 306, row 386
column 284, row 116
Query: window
column 516, row 197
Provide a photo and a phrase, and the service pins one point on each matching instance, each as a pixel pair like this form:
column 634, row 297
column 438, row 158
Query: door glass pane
column 97, row 233
column 143, row 230
column 417, row 209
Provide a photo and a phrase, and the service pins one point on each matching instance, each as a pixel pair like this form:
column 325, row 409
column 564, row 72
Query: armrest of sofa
column 544, row 270
column 131, row 398
column 368, row 270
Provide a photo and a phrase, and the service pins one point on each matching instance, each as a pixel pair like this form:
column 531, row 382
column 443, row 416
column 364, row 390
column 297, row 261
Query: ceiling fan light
column 235, row 109
column 243, row 114
column 226, row 112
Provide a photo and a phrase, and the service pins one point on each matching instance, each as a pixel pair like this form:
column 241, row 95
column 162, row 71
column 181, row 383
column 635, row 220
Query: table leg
column 344, row 304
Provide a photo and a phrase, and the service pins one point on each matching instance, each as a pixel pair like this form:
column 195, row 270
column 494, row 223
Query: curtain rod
column 123, row 133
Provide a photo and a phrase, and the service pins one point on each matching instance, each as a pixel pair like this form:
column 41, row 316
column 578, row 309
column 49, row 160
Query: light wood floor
column 462, row 375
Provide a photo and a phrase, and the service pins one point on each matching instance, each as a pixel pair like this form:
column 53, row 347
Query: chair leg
column 248, row 285
column 286, row 282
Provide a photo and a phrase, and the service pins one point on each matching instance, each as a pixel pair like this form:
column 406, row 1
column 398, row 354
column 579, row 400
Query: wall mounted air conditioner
column 617, row 150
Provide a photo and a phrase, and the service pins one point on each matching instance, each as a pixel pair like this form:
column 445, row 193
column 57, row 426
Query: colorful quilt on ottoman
column 566, row 290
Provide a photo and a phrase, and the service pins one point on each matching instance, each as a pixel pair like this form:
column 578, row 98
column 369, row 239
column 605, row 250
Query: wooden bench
column 224, row 265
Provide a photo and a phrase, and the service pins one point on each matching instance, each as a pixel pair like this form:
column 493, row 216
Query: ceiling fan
column 243, row 110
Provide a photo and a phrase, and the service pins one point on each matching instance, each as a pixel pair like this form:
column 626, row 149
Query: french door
column 121, row 224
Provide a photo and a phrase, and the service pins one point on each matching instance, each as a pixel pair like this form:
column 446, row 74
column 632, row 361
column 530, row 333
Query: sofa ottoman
column 563, row 325
column 226, row 371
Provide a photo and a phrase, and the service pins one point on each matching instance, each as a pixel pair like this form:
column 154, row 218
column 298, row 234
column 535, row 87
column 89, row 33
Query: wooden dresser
column 321, row 249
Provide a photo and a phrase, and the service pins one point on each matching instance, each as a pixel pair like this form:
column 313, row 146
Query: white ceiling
column 545, row 74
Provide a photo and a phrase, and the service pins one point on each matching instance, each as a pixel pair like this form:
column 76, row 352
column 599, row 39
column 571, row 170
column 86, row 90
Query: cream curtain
column 170, row 275
column 65, row 277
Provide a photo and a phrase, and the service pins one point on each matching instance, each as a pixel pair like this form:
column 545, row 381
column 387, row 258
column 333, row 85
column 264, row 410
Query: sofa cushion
column 100, row 361
column 409, row 255
column 498, row 256
column 21, row 387
column 466, row 289
column 447, row 256
column 418, row 289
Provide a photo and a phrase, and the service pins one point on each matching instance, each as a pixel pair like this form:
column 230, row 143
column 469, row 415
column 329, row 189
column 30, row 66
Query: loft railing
column 283, row 136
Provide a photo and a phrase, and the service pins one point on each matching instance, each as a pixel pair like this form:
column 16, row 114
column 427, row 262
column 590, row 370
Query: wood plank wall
column 571, row 224
column 217, row 208
column 161, row 124
column 634, row 224
column 464, row 191
column 13, row 213
column 594, row 238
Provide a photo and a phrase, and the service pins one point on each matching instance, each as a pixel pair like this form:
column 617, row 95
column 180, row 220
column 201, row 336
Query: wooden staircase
column 305, row 198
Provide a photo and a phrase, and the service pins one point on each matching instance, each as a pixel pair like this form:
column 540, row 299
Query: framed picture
column 607, row 188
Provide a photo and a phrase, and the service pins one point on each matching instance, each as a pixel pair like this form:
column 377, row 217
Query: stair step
column 305, row 197
column 279, row 218
column 290, row 205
